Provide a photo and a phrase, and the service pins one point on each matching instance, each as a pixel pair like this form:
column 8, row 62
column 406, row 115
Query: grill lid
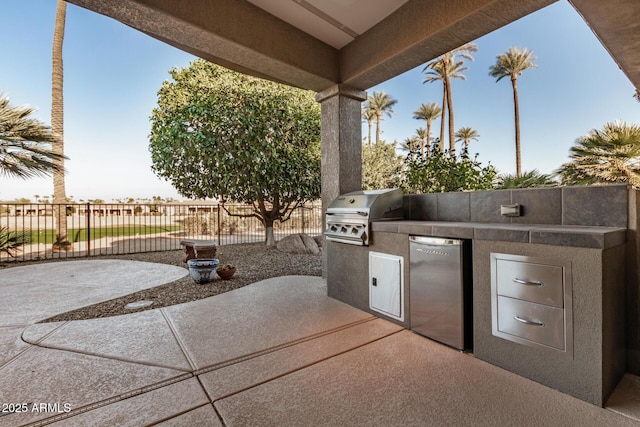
column 369, row 204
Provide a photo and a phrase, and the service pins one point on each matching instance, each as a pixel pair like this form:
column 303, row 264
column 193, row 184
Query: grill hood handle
column 342, row 213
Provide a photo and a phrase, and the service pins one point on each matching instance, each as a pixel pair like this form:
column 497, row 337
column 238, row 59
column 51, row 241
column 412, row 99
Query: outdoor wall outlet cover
column 510, row 210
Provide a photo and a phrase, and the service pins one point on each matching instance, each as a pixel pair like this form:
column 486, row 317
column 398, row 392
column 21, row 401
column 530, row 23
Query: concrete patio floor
column 278, row 352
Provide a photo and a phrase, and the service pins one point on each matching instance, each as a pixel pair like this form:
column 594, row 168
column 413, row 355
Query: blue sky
column 112, row 75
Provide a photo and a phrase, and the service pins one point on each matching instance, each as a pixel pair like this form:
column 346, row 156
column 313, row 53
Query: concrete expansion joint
column 109, row 401
column 186, row 411
column 44, row 337
column 315, row 362
column 176, row 336
column 108, row 357
column 279, row 347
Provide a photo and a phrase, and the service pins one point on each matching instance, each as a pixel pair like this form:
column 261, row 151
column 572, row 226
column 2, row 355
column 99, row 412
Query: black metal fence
column 108, row 229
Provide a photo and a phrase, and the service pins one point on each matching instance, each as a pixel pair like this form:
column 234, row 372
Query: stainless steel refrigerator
column 440, row 290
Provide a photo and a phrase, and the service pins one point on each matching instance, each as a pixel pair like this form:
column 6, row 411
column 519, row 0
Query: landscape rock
column 298, row 244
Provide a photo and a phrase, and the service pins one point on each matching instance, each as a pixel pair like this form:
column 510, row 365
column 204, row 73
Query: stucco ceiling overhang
column 616, row 23
column 315, row 44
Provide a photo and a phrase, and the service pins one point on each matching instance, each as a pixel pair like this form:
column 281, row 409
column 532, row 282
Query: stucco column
column 341, row 136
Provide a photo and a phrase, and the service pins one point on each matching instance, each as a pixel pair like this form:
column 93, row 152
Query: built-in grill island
column 348, row 218
column 573, row 243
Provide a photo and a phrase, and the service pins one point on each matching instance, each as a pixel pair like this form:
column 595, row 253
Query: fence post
column 88, row 216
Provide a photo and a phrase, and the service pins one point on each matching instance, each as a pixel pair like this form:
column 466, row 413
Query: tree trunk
column 516, row 111
column 442, row 116
column 57, row 126
column 428, row 138
column 378, row 118
column 370, row 123
column 452, row 141
column 269, row 240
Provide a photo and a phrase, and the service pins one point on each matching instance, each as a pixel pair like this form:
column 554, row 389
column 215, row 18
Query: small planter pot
column 226, row 272
column 203, row 270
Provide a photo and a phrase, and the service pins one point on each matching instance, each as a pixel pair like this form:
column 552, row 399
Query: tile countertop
column 557, row 235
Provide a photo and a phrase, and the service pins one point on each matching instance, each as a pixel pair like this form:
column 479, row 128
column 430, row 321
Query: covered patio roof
column 341, row 48
column 316, row 44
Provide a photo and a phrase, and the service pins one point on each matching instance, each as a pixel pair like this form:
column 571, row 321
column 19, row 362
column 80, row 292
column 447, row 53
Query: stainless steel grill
column 348, row 218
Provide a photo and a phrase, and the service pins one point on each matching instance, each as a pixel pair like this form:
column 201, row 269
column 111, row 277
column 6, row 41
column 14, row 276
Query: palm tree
column 410, row 145
column 604, row 156
column 428, row 112
column 421, row 136
column 25, row 143
column 465, row 135
column 512, row 64
column 445, row 68
column 369, row 115
column 529, row 179
column 57, row 125
column 381, row 104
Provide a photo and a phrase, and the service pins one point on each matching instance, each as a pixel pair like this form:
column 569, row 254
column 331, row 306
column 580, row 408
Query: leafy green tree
column 529, row 179
column 25, row 143
column 445, row 68
column 428, row 112
column 466, row 134
column 381, row 104
column 218, row 133
column 512, row 64
column 381, row 166
column 610, row 155
column 443, row 173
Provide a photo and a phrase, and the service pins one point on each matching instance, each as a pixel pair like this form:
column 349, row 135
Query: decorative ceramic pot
column 203, row 270
column 226, row 272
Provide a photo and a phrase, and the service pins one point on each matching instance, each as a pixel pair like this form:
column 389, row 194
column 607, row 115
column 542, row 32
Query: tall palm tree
column 604, row 156
column 428, row 112
column 25, row 143
column 445, row 68
column 369, row 115
column 466, row 134
column 512, row 64
column 381, row 104
column 57, row 125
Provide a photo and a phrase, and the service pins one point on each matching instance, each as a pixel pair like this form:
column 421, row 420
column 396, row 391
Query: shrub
column 440, row 173
column 196, row 224
column 10, row 241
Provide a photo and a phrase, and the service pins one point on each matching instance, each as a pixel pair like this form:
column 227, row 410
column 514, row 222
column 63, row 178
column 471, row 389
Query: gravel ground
column 254, row 262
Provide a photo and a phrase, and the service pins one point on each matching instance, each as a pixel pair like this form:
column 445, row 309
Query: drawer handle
column 528, row 282
column 528, row 322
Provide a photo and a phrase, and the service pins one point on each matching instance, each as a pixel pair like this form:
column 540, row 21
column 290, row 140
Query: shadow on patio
column 278, row 352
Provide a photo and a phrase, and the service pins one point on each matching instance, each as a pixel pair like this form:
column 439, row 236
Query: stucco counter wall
column 599, row 358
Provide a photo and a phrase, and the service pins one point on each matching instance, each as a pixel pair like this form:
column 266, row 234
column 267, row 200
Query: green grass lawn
column 80, row 235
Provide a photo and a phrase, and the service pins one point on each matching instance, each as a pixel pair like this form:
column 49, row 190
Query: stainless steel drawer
column 534, row 282
column 533, row 322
